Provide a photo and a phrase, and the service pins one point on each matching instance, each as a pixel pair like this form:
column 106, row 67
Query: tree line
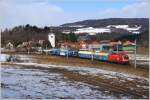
column 24, row 33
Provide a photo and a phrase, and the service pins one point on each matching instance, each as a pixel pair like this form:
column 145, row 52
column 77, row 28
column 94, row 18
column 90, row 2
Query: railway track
column 104, row 83
column 117, row 89
column 101, row 82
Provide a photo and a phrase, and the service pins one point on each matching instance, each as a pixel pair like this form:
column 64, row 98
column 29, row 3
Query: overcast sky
column 56, row 12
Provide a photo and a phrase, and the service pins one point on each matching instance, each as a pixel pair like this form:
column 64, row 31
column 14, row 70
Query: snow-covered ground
column 28, row 82
column 4, row 57
column 34, row 83
column 87, row 70
column 24, row 58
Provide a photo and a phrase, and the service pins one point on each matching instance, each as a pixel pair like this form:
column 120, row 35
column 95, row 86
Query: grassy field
column 143, row 50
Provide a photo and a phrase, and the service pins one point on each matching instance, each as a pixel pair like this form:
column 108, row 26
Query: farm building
column 128, row 46
column 9, row 45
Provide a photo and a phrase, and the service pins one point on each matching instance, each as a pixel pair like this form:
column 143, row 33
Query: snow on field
column 88, row 71
column 24, row 58
column 134, row 29
column 81, row 70
column 25, row 82
column 92, row 31
column 4, row 57
column 34, row 83
column 107, row 29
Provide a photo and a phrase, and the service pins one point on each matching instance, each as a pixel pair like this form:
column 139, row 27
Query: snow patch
column 35, row 83
column 134, row 29
column 92, row 31
column 89, row 71
column 4, row 57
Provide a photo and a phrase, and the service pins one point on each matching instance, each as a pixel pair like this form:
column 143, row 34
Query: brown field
column 143, row 50
column 58, row 60
column 117, row 86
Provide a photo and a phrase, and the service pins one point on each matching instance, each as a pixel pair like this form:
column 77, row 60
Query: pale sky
column 56, row 12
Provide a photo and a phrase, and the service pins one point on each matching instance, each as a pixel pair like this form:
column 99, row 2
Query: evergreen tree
column 72, row 37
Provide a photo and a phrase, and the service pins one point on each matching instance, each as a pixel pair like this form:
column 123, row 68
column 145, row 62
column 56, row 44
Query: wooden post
column 135, row 55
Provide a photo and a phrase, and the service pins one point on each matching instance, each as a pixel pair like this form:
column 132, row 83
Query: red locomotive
column 118, row 57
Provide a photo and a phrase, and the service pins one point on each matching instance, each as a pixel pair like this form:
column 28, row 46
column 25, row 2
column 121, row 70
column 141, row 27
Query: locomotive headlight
column 126, row 57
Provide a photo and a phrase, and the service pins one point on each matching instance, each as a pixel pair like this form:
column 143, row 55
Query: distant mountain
column 111, row 21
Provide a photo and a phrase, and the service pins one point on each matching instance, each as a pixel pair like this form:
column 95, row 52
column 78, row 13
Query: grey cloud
column 137, row 10
column 42, row 13
column 39, row 13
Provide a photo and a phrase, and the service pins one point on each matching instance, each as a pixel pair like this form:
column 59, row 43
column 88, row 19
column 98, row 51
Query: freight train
column 105, row 56
column 97, row 55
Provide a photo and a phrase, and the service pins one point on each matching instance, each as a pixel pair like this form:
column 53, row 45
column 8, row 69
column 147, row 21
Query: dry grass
column 129, row 69
column 95, row 64
column 143, row 50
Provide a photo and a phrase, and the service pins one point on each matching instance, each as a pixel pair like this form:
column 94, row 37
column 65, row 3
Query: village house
column 128, row 46
column 73, row 45
column 41, row 42
column 10, row 46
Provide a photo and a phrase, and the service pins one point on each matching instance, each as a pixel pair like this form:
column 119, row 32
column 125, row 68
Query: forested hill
column 24, row 33
column 111, row 21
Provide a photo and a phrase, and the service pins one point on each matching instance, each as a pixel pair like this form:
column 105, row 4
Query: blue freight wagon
column 103, row 56
column 74, row 53
column 68, row 52
column 54, row 52
column 85, row 54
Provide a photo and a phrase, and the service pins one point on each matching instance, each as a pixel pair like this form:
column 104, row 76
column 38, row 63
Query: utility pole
column 28, row 48
column 28, row 51
column 117, row 48
column 67, row 52
column 47, row 50
column 135, row 54
column 118, row 44
column 92, row 58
